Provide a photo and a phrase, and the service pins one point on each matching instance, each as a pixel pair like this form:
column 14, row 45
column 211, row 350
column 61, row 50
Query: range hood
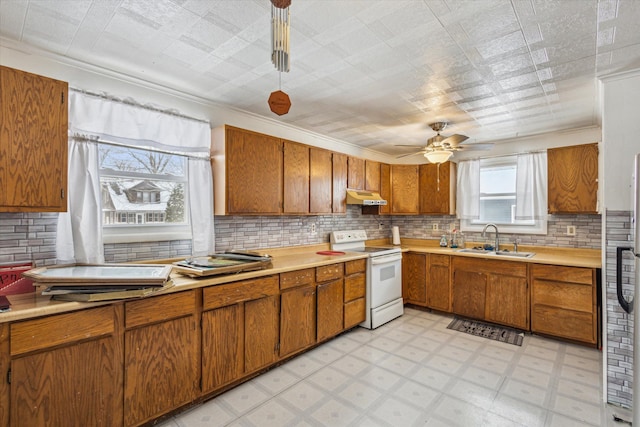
column 364, row 198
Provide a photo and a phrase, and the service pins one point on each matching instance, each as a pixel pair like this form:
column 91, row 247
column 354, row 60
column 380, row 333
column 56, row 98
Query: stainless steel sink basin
column 499, row 253
column 516, row 254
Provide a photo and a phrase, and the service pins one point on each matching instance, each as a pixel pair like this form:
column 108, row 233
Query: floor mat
column 487, row 330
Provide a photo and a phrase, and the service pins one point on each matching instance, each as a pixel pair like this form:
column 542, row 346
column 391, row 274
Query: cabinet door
column 385, row 188
column 297, row 319
column 261, row 332
column 355, row 178
column 507, row 301
column 222, row 346
column 573, row 179
column 414, row 278
column 254, row 172
column 469, row 290
column 320, row 190
column 330, row 309
column 404, row 189
column 162, row 357
column 437, row 188
column 339, row 162
column 296, row 178
column 66, row 370
column 33, row 142
column 372, row 176
column 439, row 283
column 5, row 366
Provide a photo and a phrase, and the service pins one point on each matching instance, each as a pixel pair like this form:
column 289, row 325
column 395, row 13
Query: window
column 497, row 199
column 143, row 194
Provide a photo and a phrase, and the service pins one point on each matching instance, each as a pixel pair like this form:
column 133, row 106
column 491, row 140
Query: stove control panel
column 348, row 236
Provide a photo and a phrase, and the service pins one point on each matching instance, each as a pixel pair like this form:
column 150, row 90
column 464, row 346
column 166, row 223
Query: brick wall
column 619, row 328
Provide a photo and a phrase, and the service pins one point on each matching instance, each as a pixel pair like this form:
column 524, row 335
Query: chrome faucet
column 496, row 247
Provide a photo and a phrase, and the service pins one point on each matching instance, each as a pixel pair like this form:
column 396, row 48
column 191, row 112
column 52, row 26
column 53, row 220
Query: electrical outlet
column 380, row 226
column 434, row 227
column 313, row 228
column 571, row 230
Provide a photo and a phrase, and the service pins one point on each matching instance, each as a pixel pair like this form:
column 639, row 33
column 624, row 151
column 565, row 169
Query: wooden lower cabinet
column 240, row 330
column 65, row 369
column 439, row 283
column 297, row 319
column 330, row 309
column 414, row 278
column 162, row 360
column 491, row 290
column 564, row 302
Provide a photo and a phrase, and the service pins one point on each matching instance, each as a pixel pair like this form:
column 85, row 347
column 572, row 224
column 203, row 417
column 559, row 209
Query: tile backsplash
column 31, row 236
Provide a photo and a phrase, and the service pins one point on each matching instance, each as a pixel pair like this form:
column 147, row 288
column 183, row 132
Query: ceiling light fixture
column 438, row 156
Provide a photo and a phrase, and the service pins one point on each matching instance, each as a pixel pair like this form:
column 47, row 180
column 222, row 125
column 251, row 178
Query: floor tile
column 369, row 354
column 270, row 414
column 426, row 344
column 303, row 395
column 432, row 378
column 324, row 354
column 412, row 353
column 455, row 353
column 344, row 344
column 580, row 375
column 518, row 411
column 582, row 363
column 417, row 394
column 276, row 380
column 543, row 365
column 302, row 366
column 579, row 391
column 244, row 398
column 385, row 344
column 350, row 365
column 360, row 394
column 573, row 408
column 329, row 378
column 396, row 412
column 444, row 364
column 502, row 353
column 525, row 392
column 482, row 377
column 541, row 352
column 558, row 420
column 381, row 378
column 465, row 343
column 398, row 365
column 531, row 376
column 334, row 413
column 491, row 364
column 472, row 393
column 459, row 413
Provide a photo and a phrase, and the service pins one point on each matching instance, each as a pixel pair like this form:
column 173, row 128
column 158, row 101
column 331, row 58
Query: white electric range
column 384, row 276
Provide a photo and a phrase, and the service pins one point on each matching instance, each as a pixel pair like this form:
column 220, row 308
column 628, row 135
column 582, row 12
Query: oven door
column 386, row 279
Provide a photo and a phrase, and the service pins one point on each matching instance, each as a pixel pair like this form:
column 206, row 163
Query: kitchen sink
column 502, row 253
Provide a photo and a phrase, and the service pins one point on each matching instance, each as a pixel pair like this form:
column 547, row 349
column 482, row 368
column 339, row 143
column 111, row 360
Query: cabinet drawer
column 156, row 309
column 443, row 260
column 357, row 266
column 566, row 274
column 292, row 279
column 563, row 295
column 30, row 335
column 246, row 290
column 329, row 272
column 354, row 286
column 354, row 313
column 569, row 324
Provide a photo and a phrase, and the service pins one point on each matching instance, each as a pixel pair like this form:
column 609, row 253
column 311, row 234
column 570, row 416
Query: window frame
column 147, row 232
column 538, row 227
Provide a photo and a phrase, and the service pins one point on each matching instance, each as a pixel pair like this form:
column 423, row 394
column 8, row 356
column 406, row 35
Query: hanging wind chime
column 279, row 101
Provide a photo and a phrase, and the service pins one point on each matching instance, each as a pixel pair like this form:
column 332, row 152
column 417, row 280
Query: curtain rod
column 97, row 140
column 133, row 102
column 497, row 156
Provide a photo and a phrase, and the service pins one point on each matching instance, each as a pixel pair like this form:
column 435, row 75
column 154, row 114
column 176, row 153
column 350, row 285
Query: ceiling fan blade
column 479, row 146
column 406, row 145
column 411, row 154
column 455, row 139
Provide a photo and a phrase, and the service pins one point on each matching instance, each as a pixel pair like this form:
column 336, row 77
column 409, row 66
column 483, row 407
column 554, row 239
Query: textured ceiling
column 373, row 73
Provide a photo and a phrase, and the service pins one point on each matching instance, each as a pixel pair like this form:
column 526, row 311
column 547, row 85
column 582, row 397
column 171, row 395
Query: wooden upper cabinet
column 385, row 187
column 438, row 188
column 404, row 189
column 248, row 172
column 372, row 176
column 573, row 179
column 296, row 178
column 320, row 181
column 33, row 142
column 355, row 179
column 340, row 173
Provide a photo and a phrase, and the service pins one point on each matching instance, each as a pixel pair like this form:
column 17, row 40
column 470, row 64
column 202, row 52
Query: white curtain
column 79, row 233
column 468, row 191
column 135, row 126
column 531, row 186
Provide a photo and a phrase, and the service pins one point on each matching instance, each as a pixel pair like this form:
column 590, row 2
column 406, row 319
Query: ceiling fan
column 440, row 148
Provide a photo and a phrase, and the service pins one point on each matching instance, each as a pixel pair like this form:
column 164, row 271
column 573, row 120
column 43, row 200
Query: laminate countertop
column 27, row 306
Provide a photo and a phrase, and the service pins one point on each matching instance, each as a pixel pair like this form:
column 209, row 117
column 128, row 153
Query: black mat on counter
column 487, row 330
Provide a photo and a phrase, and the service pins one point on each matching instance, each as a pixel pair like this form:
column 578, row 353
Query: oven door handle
column 385, row 259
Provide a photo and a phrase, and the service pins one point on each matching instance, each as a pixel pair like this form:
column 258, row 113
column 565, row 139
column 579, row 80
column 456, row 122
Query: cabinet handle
column 62, row 193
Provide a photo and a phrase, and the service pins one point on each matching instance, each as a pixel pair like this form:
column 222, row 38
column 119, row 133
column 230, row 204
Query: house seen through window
column 142, row 187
